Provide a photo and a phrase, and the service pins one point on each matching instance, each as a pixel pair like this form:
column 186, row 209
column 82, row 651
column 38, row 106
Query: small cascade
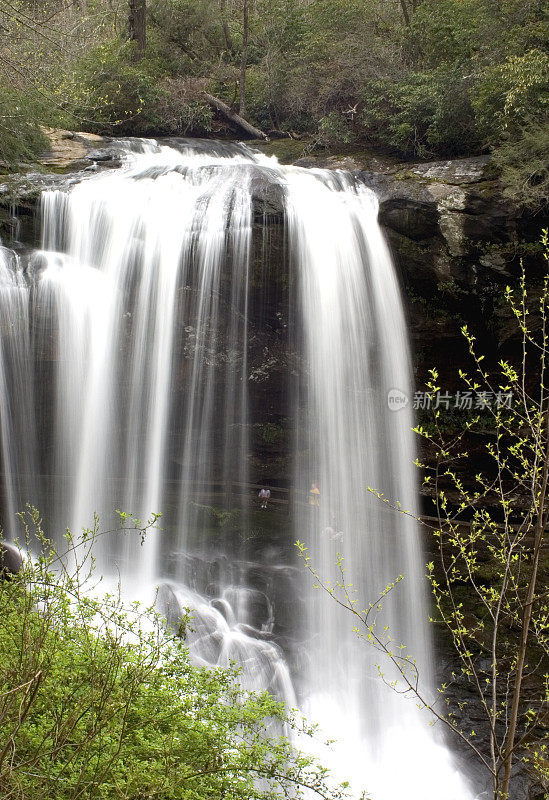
column 131, row 371
column 349, row 441
column 17, row 406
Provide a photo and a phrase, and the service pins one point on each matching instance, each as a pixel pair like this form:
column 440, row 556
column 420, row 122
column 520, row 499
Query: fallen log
column 233, row 117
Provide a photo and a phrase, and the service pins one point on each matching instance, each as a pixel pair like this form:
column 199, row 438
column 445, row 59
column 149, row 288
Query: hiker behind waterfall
column 314, row 495
column 264, row 496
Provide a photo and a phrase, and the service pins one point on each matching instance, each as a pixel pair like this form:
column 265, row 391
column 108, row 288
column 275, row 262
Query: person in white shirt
column 264, row 495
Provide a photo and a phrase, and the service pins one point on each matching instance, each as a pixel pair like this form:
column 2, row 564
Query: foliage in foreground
column 98, row 701
column 489, row 580
column 504, row 652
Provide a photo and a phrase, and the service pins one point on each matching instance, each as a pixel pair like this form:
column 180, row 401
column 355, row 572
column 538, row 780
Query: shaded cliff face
column 458, row 244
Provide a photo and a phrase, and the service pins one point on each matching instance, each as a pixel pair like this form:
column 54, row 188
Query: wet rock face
column 267, row 197
column 71, row 157
column 11, row 560
column 524, row 782
column 450, row 209
column 447, row 223
column 409, row 217
column 457, row 243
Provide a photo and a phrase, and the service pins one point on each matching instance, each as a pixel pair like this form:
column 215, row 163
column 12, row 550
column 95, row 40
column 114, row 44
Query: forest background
column 416, row 78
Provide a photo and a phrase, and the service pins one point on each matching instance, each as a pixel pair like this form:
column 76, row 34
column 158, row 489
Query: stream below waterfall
column 199, row 323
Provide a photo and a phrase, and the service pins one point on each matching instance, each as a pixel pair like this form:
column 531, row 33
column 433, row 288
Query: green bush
column 509, row 93
column 524, row 165
column 473, row 77
column 422, row 114
column 333, row 129
column 98, row 701
column 258, row 97
column 20, row 136
column 447, row 31
column 113, row 93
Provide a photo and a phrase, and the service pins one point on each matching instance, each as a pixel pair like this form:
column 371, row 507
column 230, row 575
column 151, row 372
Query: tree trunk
column 541, row 524
column 229, row 114
column 138, row 26
column 243, row 65
column 228, row 37
column 226, row 30
column 405, row 12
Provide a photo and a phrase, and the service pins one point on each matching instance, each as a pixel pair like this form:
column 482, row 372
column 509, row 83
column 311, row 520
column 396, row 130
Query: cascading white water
column 18, row 433
column 356, row 351
column 146, row 251
column 141, row 295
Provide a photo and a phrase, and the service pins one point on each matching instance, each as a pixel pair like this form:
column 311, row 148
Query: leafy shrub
column 334, row 129
column 258, row 97
column 511, row 92
column 111, row 92
column 20, row 136
column 423, row 113
column 97, row 701
column 447, row 30
column 524, row 164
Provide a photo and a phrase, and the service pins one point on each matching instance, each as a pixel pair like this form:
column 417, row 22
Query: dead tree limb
column 233, row 117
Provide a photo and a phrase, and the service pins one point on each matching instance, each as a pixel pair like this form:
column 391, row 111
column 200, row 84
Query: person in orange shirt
column 314, row 495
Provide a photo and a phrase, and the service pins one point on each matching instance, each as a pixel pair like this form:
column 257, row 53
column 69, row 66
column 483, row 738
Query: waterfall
column 350, row 439
column 135, row 375
column 18, row 433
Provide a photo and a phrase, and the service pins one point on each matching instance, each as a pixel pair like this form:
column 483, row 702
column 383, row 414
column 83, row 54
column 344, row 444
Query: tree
column 225, row 25
column 405, row 12
column 490, row 583
column 244, row 60
column 97, row 699
column 138, row 26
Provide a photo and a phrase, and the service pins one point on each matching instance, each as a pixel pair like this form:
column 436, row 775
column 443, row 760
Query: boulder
column 69, row 150
column 11, row 560
column 267, row 196
column 109, row 155
column 409, row 217
column 458, row 171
